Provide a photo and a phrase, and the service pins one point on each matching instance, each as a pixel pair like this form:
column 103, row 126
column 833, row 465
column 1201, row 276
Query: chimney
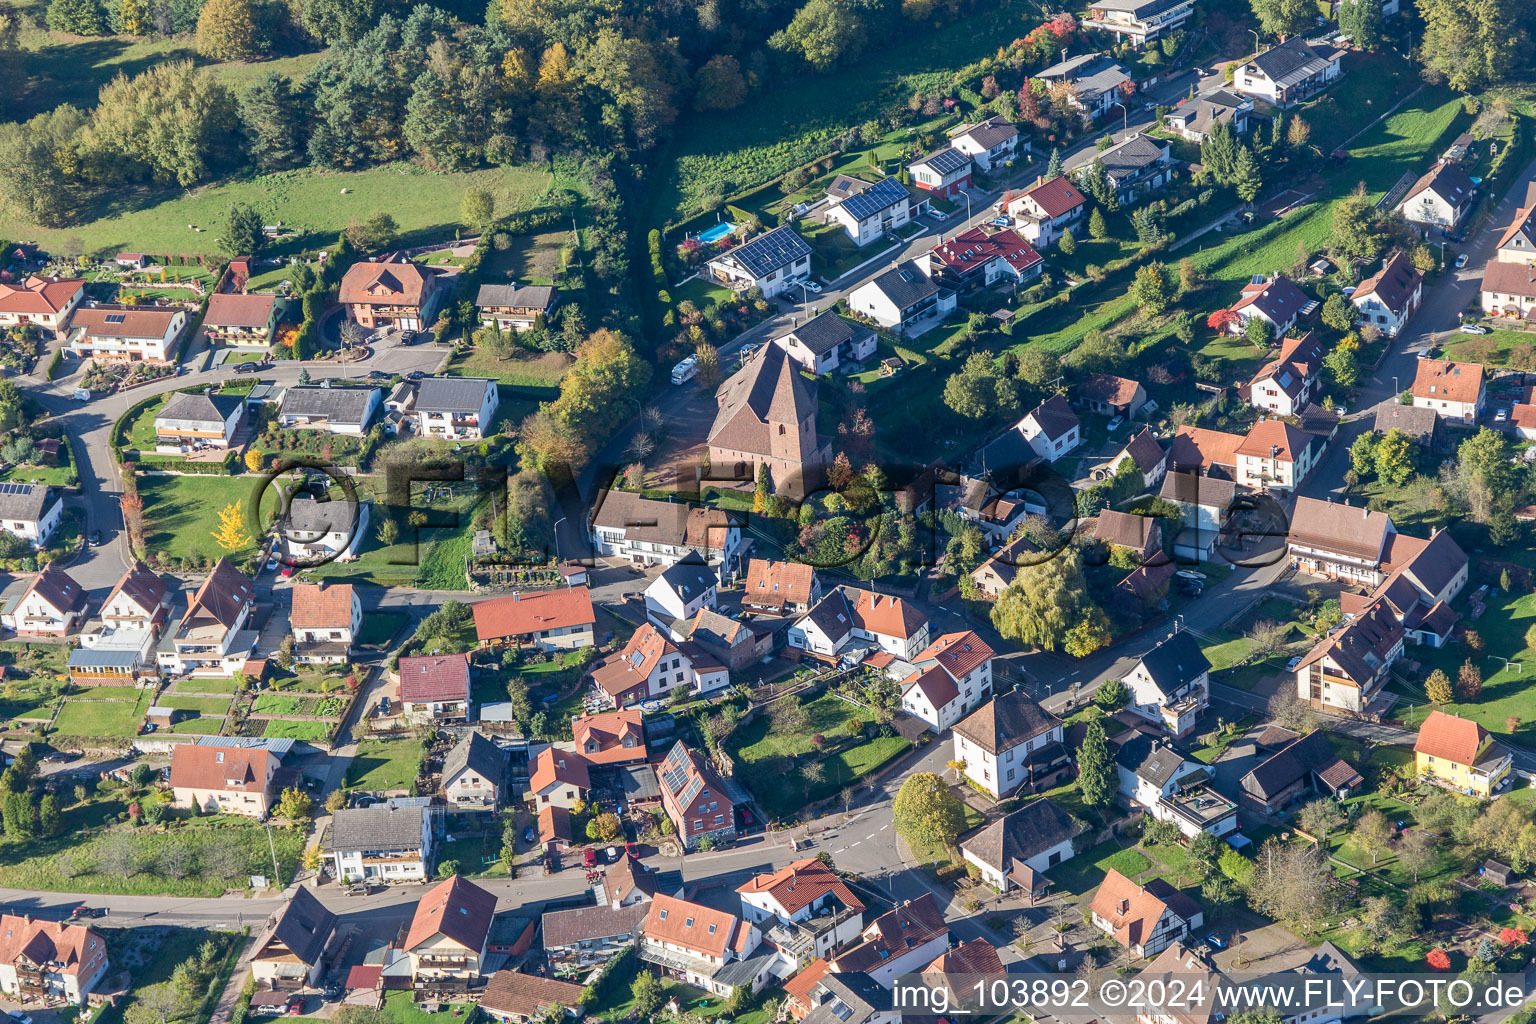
column 516, row 594
column 1125, row 906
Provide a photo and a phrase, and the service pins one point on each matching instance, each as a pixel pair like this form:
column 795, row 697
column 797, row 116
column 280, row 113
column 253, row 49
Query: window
column 719, row 819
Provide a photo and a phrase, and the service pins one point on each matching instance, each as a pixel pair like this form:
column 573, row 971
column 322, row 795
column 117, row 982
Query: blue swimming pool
column 716, row 233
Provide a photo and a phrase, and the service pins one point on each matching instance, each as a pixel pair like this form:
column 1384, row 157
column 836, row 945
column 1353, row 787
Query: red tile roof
column 957, row 653
column 608, row 732
column 559, row 766
column 888, row 616
column 1274, row 435
column 690, row 925
column 78, row 950
column 434, row 678
column 800, row 884
column 775, row 584
column 230, row 769
column 521, row 614
column 135, row 322
column 1450, row 737
column 390, row 280
column 229, row 309
column 322, row 606
column 528, row 995
column 971, row 250
column 458, row 909
column 1197, row 446
column 221, row 598
column 38, row 295
column 142, row 585
column 1132, row 911
column 1109, row 389
column 1447, row 380
column 1056, row 197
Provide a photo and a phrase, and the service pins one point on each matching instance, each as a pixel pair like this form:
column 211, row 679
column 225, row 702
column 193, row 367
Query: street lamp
column 1127, row 112
column 1255, row 34
column 557, row 538
column 967, row 207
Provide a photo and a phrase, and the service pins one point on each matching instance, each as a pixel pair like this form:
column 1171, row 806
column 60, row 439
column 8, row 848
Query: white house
column 52, row 605
column 826, row 342
column 30, row 511
column 806, row 907
column 1139, row 20
column 1051, row 428
column 1204, row 501
column 214, row 636
column 1286, row 74
column 1009, row 742
column 900, row 941
column 1347, row 668
column 681, row 590
column 337, row 410
column 1196, row 118
column 453, row 408
column 193, row 420
column 1044, row 212
column 291, row 953
column 946, row 172
column 903, row 299
column 50, row 959
column 1276, row 301
column 448, row 938
column 695, row 944
column 1096, row 82
column 1285, row 384
column 651, row 664
column 127, row 333
column 848, row 620
column 1439, row 199
column 948, row 680
column 1454, row 390
column 554, row 620
column 1170, row 684
column 40, row 301
column 325, row 619
column 390, row 841
column 434, row 688
column 1509, row 289
column 474, row 773
column 869, row 211
column 314, row 531
column 990, row 143
column 651, row 532
column 1275, row 456
column 1021, row 845
column 1161, row 781
column 1134, row 168
column 1145, row 919
column 772, row 262
column 1388, row 298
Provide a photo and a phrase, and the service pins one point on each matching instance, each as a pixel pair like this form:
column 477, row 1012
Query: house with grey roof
column 869, row 211
column 1204, row 502
column 772, row 262
column 1051, row 428
column 1286, row 74
column 190, row 421
column 290, row 954
column 1170, row 684
column 30, row 511
column 1169, row 786
column 945, row 172
column 903, row 298
column 511, row 307
column 313, row 531
column 990, row 143
column 336, row 410
column 826, row 342
column 1139, row 20
column 1194, row 119
column 448, row 408
column 474, row 774
column 681, row 590
column 1135, row 168
column 383, row 843
column 1095, row 82
column 1016, row 849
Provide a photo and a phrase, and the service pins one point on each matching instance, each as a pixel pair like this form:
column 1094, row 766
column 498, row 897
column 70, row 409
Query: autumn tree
column 1416, row 852
column 295, row 805
column 1283, row 17
column 1372, row 834
column 477, row 209
column 1469, row 681
column 232, row 534
column 719, row 84
column 1043, row 602
column 1474, row 43
column 1294, row 884
column 229, row 30
column 1153, row 289
column 1438, row 687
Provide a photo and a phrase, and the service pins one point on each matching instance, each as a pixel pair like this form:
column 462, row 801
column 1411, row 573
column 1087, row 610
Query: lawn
column 211, row 854
column 523, row 369
column 278, row 728
column 203, row 705
column 380, row 627
column 384, row 765
column 199, row 727
column 795, row 122
column 139, row 430
column 204, row 685
column 1507, row 691
column 702, row 292
column 470, row 853
column 117, row 718
column 182, row 512
column 1085, row 871
column 276, row 704
column 767, row 758
column 317, row 203
column 1495, row 348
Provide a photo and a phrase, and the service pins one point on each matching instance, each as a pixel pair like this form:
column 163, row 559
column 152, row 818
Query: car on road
column 415, row 375
column 85, row 911
column 81, row 395
column 360, row 889
column 1216, row 941
column 1472, row 329
column 1461, row 261
column 377, row 375
column 20, row 1018
column 287, row 571
column 247, row 367
column 407, row 337
column 95, row 538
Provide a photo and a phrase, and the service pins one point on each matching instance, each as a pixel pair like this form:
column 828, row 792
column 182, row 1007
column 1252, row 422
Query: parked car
column 377, row 375
column 247, row 367
column 1501, row 416
column 529, row 835
column 589, row 858
column 407, row 337
column 81, row 395
column 613, row 855
column 360, row 889
column 633, row 850
column 1216, row 941
column 85, row 911
column 21, row 1018
column 937, row 214
column 415, row 375
column 296, row 1006
column 1114, row 423
column 1472, row 329
column 1461, row 261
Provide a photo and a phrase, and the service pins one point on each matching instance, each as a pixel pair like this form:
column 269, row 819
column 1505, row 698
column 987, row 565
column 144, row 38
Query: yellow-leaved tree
column 232, row 534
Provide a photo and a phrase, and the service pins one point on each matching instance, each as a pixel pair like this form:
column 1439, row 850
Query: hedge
column 55, row 364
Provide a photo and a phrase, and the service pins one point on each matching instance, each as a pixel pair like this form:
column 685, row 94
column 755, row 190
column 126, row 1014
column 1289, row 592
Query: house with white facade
column 848, row 620
column 945, row 172
column 869, row 211
column 989, row 144
column 806, row 909
column 1095, row 82
column 1135, row 168
column 314, row 531
column 214, row 636
column 1195, row 119
column 1285, row 384
column 1389, row 298
column 335, row 410
column 48, row 960
column 434, row 688
column 901, row 941
column 1015, row 850
column 703, row 947
column 449, row 937
column 290, row 953
column 325, row 620
column 650, row 532
column 127, row 333
column 451, row 408
column 1171, row 787
column 552, row 620
column 30, row 511
column 193, row 421
column 1277, row 301
column 903, row 299
column 1138, row 21
column 224, row 779
column 1051, row 428
column 1144, row 919
column 1346, row 669
column 1440, row 199
column 1286, row 74
column 772, row 262
column 474, row 774
column 1454, row 390
column 45, row 302
column 826, row 343
column 1170, row 684
column 651, row 665
column 1205, row 502
column 1509, row 289
column 1008, row 743
column 390, row 841
column 52, row 605
column 681, row 590
column 948, row 679
column 1046, row 210
column 1276, row 457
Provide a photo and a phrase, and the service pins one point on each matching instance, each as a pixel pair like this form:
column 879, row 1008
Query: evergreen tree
column 1246, row 177
column 77, row 17
column 1052, row 168
column 1095, row 767
column 1218, row 153
column 1096, row 226
column 1067, row 242
column 243, row 234
column 1361, row 20
column 273, row 122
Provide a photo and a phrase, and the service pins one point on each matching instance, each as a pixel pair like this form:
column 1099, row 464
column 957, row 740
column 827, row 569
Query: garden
column 386, row 766
column 105, row 712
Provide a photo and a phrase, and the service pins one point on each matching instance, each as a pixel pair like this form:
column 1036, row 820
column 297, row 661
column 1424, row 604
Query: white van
column 686, row 370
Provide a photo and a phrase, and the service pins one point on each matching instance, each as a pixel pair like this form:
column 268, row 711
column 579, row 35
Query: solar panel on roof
column 114, row 318
column 880, row 196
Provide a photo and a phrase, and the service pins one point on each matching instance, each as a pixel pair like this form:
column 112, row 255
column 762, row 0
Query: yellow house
column 1459, row 754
